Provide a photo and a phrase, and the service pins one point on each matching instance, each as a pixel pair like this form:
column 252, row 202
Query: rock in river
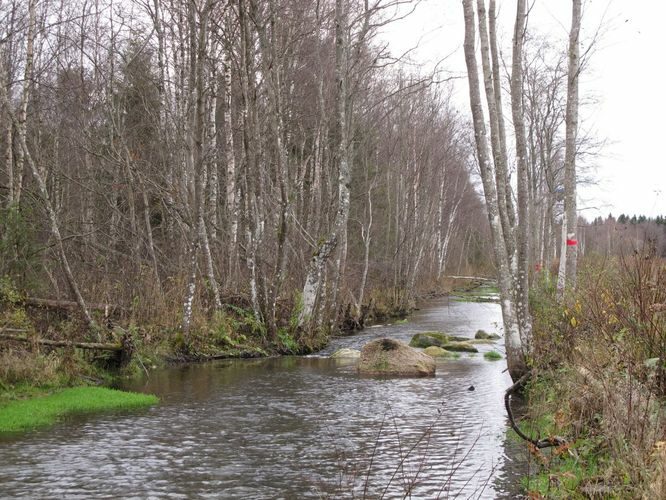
column 460, row 347
column 427, row 339
column 392, row 357
column 438, row 352
column 483, row 335
column 346, row 353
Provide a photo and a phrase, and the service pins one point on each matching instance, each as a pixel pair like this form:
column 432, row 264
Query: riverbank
column 600, row 383
column 30, row 370
column 291, row 426
column 40, row 344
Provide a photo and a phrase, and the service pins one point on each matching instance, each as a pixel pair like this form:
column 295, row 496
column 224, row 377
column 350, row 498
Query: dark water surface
column 291, row 428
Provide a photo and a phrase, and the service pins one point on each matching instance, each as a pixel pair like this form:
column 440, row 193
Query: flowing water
column 291, row 427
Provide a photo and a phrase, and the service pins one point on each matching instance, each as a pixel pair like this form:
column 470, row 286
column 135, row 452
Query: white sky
column 626, row 75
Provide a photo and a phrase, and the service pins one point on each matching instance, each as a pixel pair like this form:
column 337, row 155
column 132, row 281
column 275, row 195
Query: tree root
column 538, row 443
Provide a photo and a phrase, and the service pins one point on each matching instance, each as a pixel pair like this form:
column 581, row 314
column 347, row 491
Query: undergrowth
column 599, row 356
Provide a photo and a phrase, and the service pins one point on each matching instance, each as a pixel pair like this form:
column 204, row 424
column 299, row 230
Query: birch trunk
column 252, row 181
column 213, row 171
column 230, row 192
column 491, row 79
column 314, row 277
column 514, row 350
column 366, row 235
column 524, row 226
column 569, row 254
column 21, row 123
column 9, row 162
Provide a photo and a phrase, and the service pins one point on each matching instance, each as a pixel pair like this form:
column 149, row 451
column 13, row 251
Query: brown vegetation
column 178, row 158
column 601, row 359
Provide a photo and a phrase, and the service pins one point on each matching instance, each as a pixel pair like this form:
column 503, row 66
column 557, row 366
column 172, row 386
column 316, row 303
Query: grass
column 492, row 356
column 483, row 293
column 23, row 415
column 566, row 472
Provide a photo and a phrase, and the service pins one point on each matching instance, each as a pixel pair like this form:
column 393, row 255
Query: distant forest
column 616, row 236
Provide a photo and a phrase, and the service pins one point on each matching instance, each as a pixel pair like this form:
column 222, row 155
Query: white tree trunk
column 514, row 349
column 567, row 276
column 313, row 280
column 522, row 277
column 21, row 125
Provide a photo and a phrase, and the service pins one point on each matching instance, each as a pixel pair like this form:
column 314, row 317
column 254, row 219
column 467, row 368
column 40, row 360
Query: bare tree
column 569, row 253
column 516, row 357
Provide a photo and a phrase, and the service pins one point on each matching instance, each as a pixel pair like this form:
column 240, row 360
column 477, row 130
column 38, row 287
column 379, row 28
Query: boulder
column 427, row 339
column 438, row 352
column 392, row 357
column 460, row 347
column 483, row 335
column 346, row 353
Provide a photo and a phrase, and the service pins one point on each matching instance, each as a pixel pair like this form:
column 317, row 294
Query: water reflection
column 290, row 428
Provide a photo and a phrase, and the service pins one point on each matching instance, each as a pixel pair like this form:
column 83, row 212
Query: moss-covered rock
column 394, row 358
column 346, row 353
column 438, row 352
column 460, row 347
column 427, row 339
column 483, row 335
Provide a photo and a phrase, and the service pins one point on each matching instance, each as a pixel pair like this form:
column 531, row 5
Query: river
column 291, row 427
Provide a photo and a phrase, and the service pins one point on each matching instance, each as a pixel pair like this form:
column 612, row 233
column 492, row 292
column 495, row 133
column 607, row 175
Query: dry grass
column 602, row 353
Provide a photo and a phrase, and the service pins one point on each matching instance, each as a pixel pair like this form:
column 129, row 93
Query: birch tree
column 569, row 252
column 315, row 273
column 516, row 356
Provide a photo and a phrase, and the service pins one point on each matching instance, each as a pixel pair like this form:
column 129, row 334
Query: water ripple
column 288, row 428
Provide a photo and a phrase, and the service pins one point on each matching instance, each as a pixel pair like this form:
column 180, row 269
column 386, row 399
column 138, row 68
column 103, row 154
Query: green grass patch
column 27, row 414
column 492, row 356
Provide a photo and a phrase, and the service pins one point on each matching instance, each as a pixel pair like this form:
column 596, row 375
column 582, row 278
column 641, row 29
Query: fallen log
column 68, row 305
column 474, row 278
column 61, row 343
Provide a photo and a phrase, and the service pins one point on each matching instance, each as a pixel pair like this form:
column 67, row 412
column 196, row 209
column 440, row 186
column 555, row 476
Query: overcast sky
column 626, row 73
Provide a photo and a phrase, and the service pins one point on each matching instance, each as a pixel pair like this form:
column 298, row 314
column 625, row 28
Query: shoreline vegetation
column 599, row 381
column 46, row 409
column 45, row 349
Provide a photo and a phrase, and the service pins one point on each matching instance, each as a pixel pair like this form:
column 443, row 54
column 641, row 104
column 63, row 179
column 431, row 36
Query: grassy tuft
column 24, row 415
column 492, row 356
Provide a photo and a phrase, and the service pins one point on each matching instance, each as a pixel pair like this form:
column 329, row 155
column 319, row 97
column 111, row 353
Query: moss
column 427, row 339
column 483, row 335
column 23, row 415
column 460, row 347
column 438, row 352
column 492, row 356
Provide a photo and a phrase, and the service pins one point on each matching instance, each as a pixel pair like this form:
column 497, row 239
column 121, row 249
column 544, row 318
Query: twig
column 372, row 457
